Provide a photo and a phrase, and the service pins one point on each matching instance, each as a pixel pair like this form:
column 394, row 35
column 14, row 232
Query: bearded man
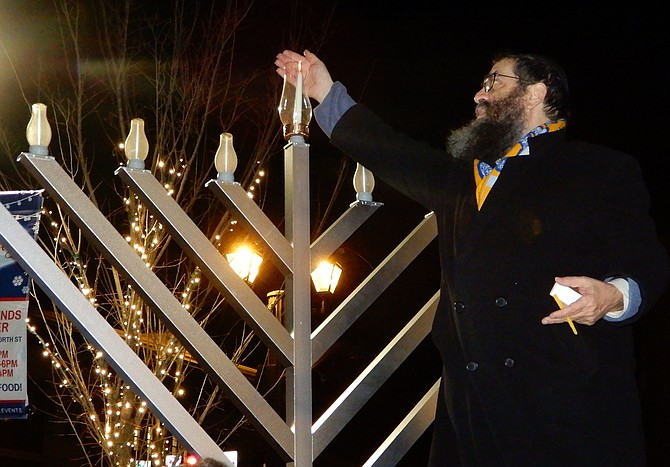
column 520, row 208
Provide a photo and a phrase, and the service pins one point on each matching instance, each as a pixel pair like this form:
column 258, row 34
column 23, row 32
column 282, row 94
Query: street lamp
column 326, row 276
column 245, row 262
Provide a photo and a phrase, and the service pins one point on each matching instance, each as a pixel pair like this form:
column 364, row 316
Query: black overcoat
column 519, row 393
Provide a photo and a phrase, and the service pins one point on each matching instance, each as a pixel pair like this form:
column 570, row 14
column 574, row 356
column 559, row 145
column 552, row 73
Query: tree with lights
column 175, row 70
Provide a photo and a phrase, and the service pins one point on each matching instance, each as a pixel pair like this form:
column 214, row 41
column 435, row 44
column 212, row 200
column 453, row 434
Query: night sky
column 419, row 63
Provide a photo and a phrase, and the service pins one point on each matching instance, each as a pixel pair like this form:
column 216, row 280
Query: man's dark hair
column 535, row 68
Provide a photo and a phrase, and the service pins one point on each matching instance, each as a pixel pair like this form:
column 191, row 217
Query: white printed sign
column 25, row 206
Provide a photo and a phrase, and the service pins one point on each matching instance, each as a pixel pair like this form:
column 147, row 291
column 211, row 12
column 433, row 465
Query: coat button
column 458, row 307
column 509, row 363
column 501, row 302
column 471, row 366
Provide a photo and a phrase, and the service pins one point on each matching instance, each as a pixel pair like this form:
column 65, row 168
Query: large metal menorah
column 298, row 439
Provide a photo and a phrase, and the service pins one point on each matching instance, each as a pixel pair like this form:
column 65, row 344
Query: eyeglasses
column 490, row 80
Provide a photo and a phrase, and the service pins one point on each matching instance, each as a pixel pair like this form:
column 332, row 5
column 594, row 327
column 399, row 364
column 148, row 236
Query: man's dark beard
column 490, row 137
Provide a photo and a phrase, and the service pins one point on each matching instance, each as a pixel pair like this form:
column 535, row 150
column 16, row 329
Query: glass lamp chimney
column 136, row 146
column 225, row 159
column 364, row 183
column 295, row 108
column 38, row 131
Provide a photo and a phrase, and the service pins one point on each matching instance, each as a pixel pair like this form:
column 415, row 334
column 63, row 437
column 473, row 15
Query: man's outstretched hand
column 316, row 78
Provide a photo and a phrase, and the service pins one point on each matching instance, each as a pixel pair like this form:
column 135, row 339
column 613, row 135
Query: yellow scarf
column 486, row 176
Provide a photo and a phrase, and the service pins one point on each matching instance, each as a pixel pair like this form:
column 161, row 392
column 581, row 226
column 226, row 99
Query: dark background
column 419, row 64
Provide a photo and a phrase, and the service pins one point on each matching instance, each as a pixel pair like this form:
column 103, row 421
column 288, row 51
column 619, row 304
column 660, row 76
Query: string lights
column 116, row 419
column 120, row 421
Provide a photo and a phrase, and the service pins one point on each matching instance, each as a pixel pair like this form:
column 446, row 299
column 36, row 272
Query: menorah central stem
column 298, row 298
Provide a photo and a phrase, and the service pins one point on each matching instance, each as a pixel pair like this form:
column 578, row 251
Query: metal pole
column 298, row 299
